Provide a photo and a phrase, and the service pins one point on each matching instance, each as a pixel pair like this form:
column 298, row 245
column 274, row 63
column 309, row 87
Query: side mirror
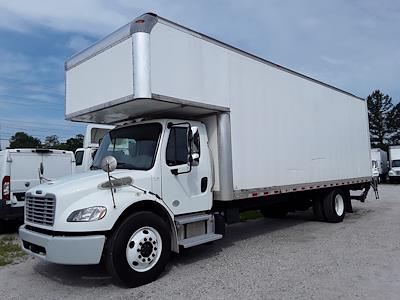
column 194, row 160
column 109, row 164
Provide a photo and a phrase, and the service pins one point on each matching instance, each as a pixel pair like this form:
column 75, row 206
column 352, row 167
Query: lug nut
column 145, row 239
column 153, row 255
column 138, row 250
column 155, row 249
column 140, row 256
column 150, row 239
column 131, row 244
column 148, row 259
column 143, row 260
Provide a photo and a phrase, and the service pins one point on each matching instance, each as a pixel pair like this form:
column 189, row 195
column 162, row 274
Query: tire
column 143, row 239
column 276, row 212
column 334, row 206
column 318, row 209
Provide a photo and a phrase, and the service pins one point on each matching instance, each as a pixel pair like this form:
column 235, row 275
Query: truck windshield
column 134, row 147
column 396, row 163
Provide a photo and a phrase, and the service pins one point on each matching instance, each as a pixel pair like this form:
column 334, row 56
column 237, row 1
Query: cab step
column 182, row 220
column 200, row 239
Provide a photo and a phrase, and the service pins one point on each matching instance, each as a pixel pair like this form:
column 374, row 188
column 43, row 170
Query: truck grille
column 397, row 172
column 40, row 210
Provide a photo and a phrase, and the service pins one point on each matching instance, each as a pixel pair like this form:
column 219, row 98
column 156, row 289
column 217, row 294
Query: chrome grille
column 40, row 210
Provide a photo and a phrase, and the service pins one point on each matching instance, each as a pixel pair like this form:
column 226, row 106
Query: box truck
column 380, row 164
column 22, row 169
column 204, row 131
column 84, row 156
column 394, row 156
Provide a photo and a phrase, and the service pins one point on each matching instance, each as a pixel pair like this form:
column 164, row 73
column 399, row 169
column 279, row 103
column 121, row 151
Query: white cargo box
column 286, row 129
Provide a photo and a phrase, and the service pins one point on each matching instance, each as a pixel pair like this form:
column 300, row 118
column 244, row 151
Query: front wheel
column 139, row 249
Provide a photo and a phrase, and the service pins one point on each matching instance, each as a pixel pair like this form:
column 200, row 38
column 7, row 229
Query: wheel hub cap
column 143, row 249
column 339, row 205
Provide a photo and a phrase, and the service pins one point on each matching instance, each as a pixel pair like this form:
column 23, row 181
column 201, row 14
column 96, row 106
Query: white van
column 19, row 171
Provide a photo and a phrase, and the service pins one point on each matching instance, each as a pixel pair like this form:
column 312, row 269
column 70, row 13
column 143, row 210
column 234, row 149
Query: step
column 191, row 219
column 200, row 239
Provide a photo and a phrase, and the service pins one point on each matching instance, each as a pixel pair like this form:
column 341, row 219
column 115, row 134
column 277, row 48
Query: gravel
column 294, row 258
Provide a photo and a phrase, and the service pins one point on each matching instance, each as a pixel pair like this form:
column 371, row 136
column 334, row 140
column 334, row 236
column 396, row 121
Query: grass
column 10, row 250
column 250, row 215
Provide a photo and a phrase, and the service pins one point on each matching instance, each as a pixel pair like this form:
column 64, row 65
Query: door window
column 78, row 158
column 177, row 147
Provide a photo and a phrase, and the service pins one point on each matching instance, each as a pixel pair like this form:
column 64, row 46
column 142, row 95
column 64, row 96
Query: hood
column 88, row 181
column 84, row 190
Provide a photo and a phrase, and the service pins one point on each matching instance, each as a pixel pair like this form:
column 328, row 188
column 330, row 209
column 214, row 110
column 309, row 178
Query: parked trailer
column 205, row 130
column 19, row 171
column 380, row 164
column 394, row 156
column 84, row 156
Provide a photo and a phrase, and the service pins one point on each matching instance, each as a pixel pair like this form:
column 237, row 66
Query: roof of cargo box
column 146, row 22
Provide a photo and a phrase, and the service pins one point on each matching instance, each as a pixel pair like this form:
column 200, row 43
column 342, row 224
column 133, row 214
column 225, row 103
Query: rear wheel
column 334, row 206
column 138, row 251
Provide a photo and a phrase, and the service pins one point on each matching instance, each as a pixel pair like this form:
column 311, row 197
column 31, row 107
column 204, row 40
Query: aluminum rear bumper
column 68, row 250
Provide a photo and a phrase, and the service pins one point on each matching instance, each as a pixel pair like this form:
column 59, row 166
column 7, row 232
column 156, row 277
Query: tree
column 23, row 140
column 394, row 124
column 51, row 141
column 72, row 143
column 380, row 110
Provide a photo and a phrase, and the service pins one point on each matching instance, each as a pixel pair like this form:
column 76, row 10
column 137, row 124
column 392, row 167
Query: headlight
column 391, row 172
column 88, row 214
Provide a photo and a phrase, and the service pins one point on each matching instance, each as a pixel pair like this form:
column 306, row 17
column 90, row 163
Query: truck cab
column 163, row 167
column 394, row 172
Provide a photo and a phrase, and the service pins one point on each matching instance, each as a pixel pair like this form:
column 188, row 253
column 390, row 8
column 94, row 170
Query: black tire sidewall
column 329, row 206
column 116, row 249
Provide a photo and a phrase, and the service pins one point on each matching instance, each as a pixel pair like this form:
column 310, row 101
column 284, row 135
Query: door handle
column 204, row 183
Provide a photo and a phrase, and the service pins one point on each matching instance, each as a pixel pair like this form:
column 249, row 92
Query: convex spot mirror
column 109, row 164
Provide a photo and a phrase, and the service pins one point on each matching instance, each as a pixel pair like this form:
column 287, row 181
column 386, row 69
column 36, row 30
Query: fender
column 160, row 209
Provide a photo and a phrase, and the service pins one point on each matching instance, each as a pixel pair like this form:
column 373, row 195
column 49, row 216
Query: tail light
column 5, row 188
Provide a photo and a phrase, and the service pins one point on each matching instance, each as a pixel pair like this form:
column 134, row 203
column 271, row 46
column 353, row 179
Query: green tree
column 23, row 140
column 51, row 141
column 380, row 110
column 394, row 125
column 72, row 143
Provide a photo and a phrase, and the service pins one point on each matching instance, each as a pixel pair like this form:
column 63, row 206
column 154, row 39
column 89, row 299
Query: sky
column 353, row 45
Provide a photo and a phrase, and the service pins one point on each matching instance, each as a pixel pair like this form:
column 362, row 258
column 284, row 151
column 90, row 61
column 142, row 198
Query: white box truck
column 205, row 131
column 84, row 156
column 380, row 164
column 19, row 171
column 394, row 156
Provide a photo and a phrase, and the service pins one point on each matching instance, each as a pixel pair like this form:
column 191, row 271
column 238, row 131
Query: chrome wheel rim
column 339, row 205
column 143, row 249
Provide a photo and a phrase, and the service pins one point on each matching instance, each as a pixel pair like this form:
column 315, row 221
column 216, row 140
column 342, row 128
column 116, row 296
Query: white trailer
column 394, row 156
column 19, row 171
column 205, row 130
column 380, row 164
column 84, row 156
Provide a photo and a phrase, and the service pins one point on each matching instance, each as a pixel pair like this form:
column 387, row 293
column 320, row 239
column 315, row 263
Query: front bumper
column 67, row 250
